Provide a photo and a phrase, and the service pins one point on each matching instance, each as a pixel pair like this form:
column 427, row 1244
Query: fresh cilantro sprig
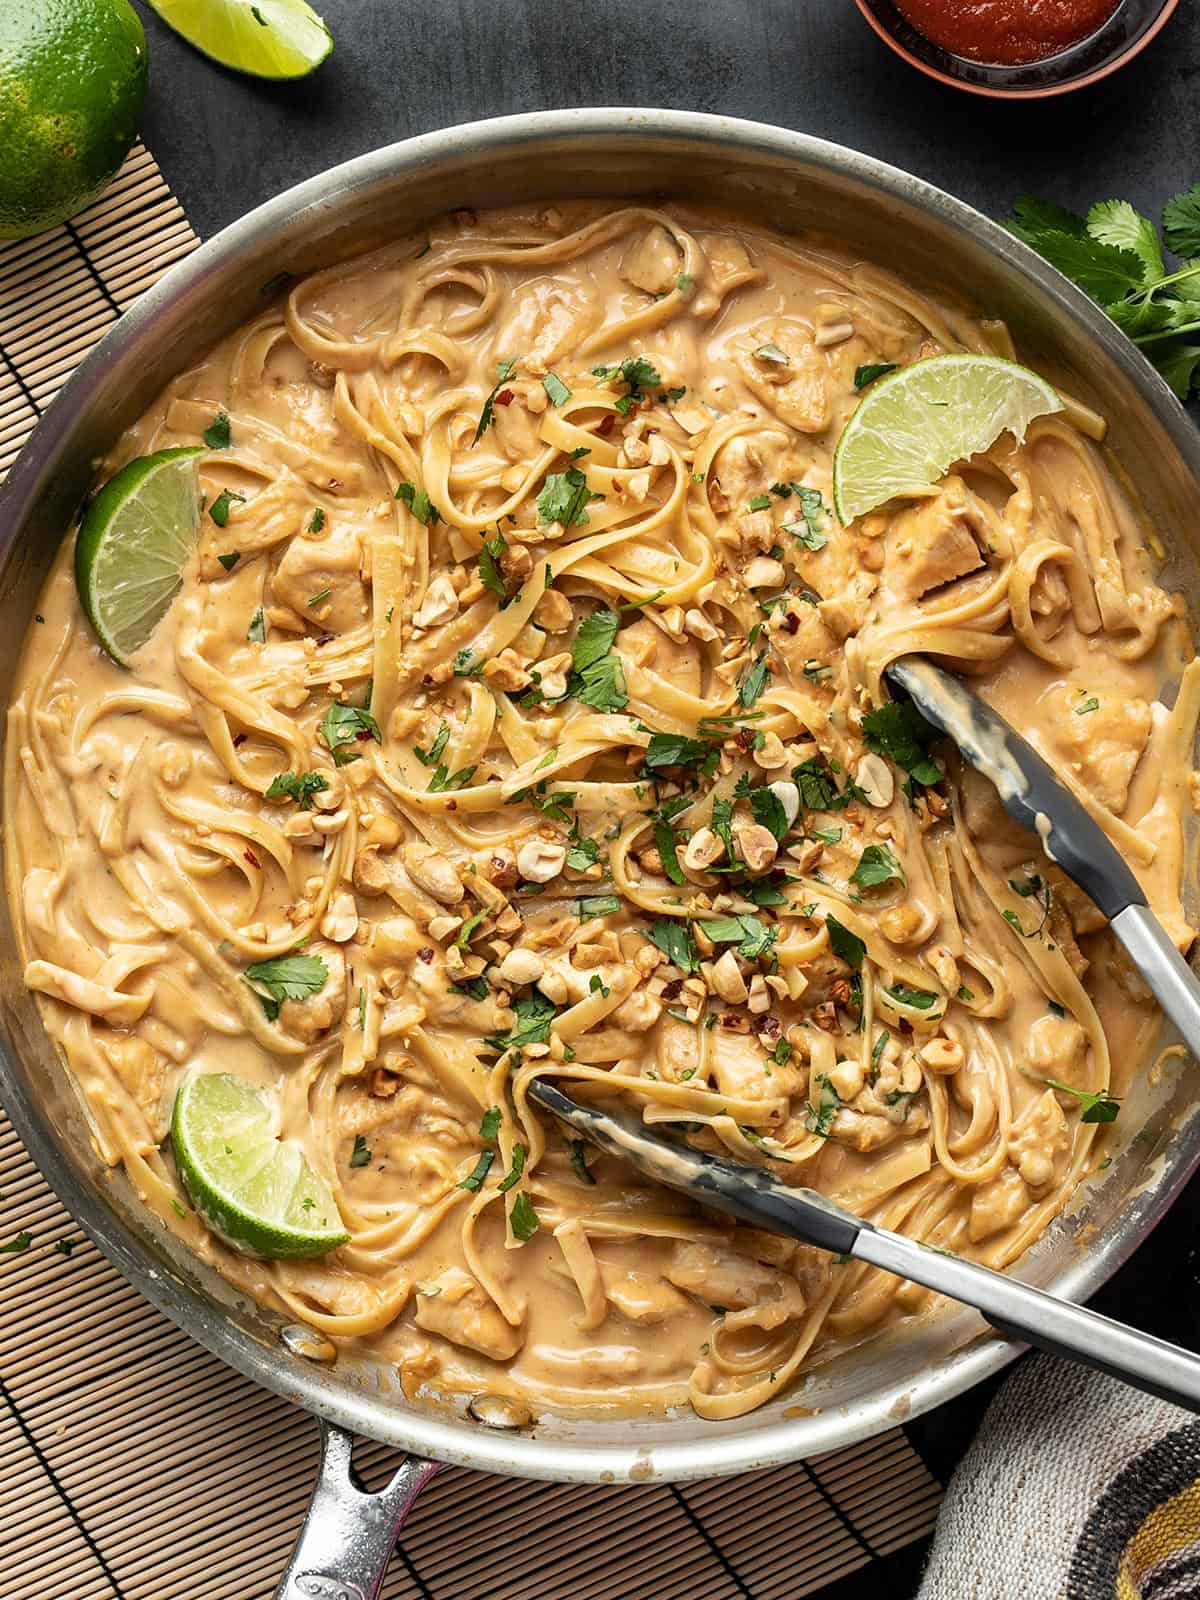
column 285, row 978
column 504, row 371
column 299, row 787
column 597, row 678
column 635, row 371
column 1115, row 255
column 564, row 498
column 1095, row 1105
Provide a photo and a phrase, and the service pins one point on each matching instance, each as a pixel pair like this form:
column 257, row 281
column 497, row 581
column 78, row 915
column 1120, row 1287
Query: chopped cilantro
column 299, row 787
column 876, row 865
column 293, row 977
column 361, row 1154
column 504, row 371
column 847, row 946
column 217, row 435
column 344, row 725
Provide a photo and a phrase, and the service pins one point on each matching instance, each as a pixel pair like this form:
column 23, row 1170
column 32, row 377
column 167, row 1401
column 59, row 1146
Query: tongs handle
column 1022, row 1312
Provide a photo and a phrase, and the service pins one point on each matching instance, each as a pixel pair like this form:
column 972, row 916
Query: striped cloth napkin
column 1077, row 1487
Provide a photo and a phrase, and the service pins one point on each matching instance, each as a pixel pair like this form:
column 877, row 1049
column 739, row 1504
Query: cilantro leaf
column 900, row 731
column 556, row 390
column 582, row 851
column 677, row 750
column 768, row 810
column 514, row 1171
column 444, row 781
column 819, row 1118
column 773, row 354
column 360, row 1156
column 674, row 939
column 579, row 1161
column 867, row 374
column 1105, row 271
column 667, row 845
column 418, row 502
column 847, row 946
column 504, row 371
column 523, row 1219
column 752, row 936
column 534, row 1016
column 1095, row 1105
column 564, row 498
column 474, row 1179
column 285, row 978
column 218, row 434
column 299, row 787
column 752, row 685
column 344, row 725
column 1115, row 222
column 219, row 510
column 638, row 373
column 1181, row 222
column 876, row 865
column 919, row 999
column 431, row 757
column 256, row 633
column 597, row 678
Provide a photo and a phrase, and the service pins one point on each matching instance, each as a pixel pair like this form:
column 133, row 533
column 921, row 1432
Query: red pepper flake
column 238, row 740
column 252, row 858
column 364, row 733
column 791, row 621
column 671, row 991
column 607, row 425
column 745, row 739
column 326, row 638
column 425, row 955
column 505, row 397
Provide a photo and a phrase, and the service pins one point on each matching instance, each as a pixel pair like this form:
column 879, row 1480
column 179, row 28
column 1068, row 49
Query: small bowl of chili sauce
column 1017, row 48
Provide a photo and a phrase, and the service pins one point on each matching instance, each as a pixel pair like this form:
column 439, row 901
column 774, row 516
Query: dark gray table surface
column 404, row 66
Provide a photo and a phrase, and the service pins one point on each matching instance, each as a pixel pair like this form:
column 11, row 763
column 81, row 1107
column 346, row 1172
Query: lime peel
column 913, row 425
column 257, row 1192
column 265, row 38
column 133, row 544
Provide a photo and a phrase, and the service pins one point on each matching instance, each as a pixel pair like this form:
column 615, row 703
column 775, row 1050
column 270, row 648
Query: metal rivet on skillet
column 498, row 1411
column 307, row 1342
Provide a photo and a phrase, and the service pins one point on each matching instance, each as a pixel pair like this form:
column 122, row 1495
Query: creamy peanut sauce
column 879, row 1026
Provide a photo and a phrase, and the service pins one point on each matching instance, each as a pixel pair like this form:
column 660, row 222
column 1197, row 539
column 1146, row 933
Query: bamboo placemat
column 135, row 1465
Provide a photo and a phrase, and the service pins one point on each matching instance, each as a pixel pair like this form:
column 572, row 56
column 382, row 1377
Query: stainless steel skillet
column 791, row 182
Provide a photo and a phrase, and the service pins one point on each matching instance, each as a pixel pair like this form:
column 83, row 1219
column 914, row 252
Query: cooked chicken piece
column 726, row 1278
column 676, row 660
column 739, row 1066
column 462, row 1313
column 1101, row 736
column 309, row 1018
column 796, row 390
column 932, row 543
column 1056, row 1048
column 308, row 567
column 651, row 263
column 997, row 1204
column 640, row 1296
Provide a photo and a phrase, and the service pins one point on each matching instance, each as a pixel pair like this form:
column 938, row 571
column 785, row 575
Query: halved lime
column 133, row 543
column 268, row 38
column 910, row 429
column 258, row 1192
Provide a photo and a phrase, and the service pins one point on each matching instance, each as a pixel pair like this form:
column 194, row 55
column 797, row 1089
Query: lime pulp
column 133, row 543
column 254, row 1190
column 911, row 427
column 266, row 38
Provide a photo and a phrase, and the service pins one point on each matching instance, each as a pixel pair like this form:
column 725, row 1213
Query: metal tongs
column 1070, row 837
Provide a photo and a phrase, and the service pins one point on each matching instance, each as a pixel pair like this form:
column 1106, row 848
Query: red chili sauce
column 1006, row 32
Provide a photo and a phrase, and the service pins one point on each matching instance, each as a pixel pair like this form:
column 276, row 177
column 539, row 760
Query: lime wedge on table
column 910, row 429
column 133, row 543
column 258, row 1192
column 267, row 38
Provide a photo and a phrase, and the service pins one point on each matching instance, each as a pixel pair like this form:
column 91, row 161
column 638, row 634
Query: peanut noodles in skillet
column 525, row 694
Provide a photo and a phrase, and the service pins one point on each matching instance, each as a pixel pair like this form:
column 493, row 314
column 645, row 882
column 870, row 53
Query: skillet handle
column 344, row 1547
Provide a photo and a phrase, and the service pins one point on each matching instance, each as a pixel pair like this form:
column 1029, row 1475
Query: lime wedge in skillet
column 258, row 1192
column 267, row 38
column 909, row 429
column 133, row 543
